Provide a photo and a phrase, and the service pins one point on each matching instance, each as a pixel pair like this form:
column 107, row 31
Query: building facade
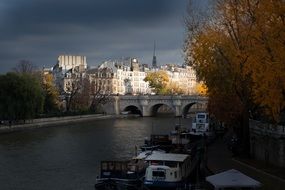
column 124, row 76
column 68, row 70
column 183, row 76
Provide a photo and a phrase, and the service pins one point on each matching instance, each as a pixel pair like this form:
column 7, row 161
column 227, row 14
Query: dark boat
column 157, row 142
column 121, row 174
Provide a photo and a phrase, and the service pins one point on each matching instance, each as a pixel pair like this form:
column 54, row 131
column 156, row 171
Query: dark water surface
column 68, row 157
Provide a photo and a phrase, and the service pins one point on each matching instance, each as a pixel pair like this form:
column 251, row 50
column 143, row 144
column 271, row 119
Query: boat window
column 175, row 174
column 170, row 164
column 111, row 166
column 201, row 116
column 124, row 167
column 118, row 166
column 104, row 166
column 158, row 174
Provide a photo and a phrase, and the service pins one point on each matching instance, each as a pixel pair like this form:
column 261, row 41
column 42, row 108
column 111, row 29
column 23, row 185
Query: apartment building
column 123, row 76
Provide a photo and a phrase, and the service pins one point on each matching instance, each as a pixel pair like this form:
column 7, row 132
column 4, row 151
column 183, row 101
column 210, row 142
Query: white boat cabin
column 200, row 122
column 167, row 169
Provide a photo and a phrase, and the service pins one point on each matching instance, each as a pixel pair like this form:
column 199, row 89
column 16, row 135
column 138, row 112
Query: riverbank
column 220, row 159
column 53, row 121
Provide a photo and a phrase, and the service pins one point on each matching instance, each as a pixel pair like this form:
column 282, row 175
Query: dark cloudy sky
column 40, row 30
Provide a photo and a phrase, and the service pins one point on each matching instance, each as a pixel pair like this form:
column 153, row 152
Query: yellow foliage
column 51, row 92
column 201, row 89
column 173, row 88
column 242, row 52
column 158, row 80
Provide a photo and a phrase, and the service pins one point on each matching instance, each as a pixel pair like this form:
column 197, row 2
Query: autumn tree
column 174, row 88
column 267, row 56
column 158, row 81
column 51, row 94
column 239, row 54
column 201, row 89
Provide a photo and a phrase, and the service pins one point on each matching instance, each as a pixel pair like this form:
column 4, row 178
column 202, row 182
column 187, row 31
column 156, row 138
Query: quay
column 53, row 121
column 220, row 159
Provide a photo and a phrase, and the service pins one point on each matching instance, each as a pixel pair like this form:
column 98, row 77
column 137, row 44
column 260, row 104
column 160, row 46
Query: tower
column 154, row 65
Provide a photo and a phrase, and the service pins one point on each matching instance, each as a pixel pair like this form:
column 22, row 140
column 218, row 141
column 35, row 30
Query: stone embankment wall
column 268, row 143
column 53, row 121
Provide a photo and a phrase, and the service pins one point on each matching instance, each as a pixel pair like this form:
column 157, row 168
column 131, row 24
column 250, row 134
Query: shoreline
column 53, row 122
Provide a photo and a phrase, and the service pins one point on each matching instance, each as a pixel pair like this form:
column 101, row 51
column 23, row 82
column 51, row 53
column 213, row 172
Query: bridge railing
column 156, row 97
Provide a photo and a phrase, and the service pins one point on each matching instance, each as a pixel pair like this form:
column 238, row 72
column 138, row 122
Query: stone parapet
column 268, row 142
column 267, row 129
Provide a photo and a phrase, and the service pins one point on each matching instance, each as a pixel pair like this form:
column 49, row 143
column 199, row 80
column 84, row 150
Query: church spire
column 154, row 65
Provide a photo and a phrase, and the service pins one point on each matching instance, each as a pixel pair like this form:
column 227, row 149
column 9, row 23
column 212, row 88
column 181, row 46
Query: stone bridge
column 148, row 105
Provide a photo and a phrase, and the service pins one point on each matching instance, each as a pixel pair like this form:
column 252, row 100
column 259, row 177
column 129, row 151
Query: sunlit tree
column 51, row 94
column 201, row 89
column 239, row 55
column 158, row 81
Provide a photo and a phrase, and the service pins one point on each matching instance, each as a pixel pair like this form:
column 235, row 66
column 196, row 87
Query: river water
column 68, row 157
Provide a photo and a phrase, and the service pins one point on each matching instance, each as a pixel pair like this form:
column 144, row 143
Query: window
column 158, row 174
column 104, row 166
column 201, row 116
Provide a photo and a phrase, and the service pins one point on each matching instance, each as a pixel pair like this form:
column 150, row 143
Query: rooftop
column 159, row 156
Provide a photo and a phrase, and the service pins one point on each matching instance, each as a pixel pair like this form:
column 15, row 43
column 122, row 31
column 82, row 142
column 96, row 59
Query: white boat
column 200, row 122
column 167, row 170
column 123, row 174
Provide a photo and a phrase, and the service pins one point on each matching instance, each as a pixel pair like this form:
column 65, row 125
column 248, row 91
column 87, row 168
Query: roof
column 232, row 178
column 158, row 167
column 145, row 154
column 91, row 71
column 160, row 156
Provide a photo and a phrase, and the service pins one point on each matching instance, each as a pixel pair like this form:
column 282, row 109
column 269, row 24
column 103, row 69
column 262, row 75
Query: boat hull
column 106, row 184
column 163, row 184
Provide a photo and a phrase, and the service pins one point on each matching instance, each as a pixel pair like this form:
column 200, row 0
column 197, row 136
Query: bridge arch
column 132, row 109
column 149, row 105
column 153, row 109
column 186, row 108
column 193, row 107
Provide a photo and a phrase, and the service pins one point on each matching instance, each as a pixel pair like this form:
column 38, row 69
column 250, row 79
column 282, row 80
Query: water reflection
column 68, row 157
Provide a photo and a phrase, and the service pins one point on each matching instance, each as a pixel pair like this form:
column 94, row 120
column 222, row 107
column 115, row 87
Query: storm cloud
column 40, row 30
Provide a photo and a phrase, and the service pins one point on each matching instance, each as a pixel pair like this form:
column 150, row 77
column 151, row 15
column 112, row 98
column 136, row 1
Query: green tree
column 21, row 97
